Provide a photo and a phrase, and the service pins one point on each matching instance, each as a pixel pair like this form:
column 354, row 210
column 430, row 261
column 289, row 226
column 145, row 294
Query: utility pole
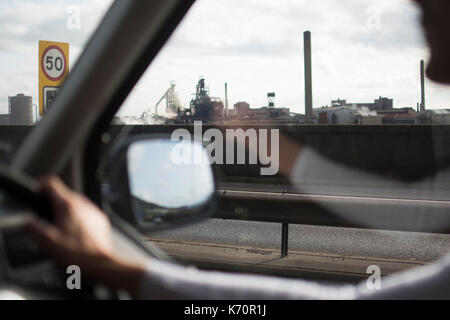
column 226, row 100
column 308, row 76
column 422, row 85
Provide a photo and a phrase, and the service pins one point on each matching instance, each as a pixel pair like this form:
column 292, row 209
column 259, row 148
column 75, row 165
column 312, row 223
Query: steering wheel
column 24, row 268
column 22, row 198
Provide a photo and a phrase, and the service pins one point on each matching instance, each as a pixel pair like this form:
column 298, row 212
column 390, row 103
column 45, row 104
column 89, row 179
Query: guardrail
column 431, row 216
column 360, row 212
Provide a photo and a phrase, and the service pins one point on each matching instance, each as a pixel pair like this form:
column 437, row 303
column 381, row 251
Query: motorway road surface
column 409, row 246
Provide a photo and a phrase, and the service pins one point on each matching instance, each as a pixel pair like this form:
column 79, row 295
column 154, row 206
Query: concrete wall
column 10, row 138
column 407, row 152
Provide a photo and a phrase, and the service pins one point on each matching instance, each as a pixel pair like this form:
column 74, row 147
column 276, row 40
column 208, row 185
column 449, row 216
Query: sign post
column 53, row 70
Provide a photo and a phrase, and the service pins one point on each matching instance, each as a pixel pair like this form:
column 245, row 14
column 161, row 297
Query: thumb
column 47, row 235
column 58, row 193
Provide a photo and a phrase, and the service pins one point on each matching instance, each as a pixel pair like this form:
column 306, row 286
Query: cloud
column 361, row 49
column 23, row 23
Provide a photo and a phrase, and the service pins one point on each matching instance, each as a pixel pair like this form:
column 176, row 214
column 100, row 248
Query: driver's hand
column 80, row 232
column 81, row 235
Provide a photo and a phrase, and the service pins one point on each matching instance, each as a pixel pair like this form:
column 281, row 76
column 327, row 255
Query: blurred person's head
column 436, row 23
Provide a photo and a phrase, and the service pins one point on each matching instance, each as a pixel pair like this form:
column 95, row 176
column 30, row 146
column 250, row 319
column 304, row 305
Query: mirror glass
column 168, row 180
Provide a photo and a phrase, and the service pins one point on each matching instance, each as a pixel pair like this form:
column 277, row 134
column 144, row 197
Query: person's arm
column 165, row 280
column 168, row 281
column 81, row 235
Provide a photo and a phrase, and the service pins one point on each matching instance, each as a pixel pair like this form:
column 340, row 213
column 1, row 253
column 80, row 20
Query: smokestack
column 308, row 75
column 226, row 100
column 422, row 85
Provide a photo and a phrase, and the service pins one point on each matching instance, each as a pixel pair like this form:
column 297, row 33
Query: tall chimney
column 422, row 85
column 308, row 75
column 226, row 100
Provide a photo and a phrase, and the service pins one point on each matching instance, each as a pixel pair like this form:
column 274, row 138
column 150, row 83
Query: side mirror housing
column 157, row 183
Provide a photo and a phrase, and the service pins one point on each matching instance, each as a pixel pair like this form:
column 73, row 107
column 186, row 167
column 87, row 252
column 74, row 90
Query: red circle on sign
column 43, row 67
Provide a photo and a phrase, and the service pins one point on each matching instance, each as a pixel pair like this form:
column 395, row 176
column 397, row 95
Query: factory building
column 343, row 115
column 400, row 118
column 241, row 108
column 20, row 111
column 242, row 111
column 435, row 116
column 342, row 112
column 380, row 104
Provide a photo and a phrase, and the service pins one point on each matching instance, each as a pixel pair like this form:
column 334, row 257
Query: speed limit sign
column 53, row 63
column 53, row 69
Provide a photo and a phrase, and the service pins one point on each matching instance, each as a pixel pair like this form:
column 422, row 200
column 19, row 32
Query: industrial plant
column 216, row 111
column 170, row 110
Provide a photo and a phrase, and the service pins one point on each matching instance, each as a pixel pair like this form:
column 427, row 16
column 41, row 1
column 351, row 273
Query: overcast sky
column 362, row 49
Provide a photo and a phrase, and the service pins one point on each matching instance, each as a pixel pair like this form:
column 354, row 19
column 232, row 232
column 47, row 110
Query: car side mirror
column 157, row 183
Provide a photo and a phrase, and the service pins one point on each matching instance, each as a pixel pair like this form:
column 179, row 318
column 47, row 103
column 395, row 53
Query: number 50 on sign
column 53, row 69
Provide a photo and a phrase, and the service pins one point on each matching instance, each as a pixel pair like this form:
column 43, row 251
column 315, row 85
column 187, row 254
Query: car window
column 324, row 99
column 340, row 79
column 367, row 62
column 30, row 31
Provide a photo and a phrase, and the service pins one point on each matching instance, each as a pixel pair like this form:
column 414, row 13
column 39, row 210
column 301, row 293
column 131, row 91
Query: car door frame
column 125, row 43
